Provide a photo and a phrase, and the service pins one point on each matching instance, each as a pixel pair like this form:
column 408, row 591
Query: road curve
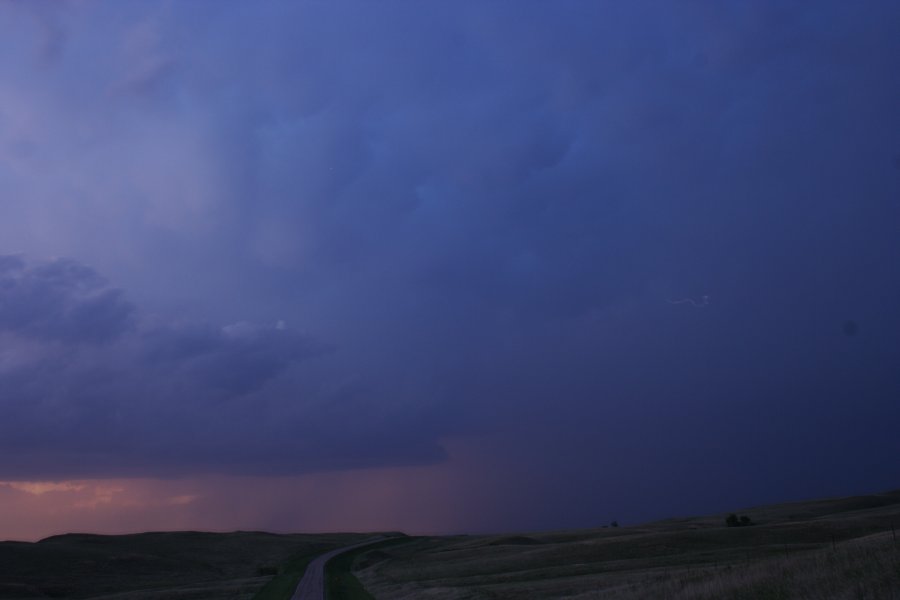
column 312, row 586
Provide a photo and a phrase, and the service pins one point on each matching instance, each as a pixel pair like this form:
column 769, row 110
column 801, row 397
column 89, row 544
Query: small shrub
column 734, row 520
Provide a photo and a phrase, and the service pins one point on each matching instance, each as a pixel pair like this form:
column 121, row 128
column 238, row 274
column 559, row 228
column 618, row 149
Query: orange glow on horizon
column 425, row 499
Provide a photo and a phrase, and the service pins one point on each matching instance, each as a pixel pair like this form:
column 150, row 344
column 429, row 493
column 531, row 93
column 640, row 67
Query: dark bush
column 734, row 520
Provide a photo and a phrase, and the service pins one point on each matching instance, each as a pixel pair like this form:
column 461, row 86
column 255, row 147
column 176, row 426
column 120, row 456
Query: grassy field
column 841, row 548
column 156, row 566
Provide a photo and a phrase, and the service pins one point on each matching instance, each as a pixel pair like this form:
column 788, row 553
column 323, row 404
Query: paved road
column 312, row 586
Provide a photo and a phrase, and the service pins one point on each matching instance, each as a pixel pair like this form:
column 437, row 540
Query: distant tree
column 734, row 520
column 614, row 524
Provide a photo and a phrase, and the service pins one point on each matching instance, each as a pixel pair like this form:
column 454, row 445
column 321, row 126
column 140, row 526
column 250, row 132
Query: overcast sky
column 444, row 266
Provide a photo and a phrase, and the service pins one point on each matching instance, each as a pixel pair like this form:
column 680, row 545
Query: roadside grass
column 283, row 584
column 341, row 583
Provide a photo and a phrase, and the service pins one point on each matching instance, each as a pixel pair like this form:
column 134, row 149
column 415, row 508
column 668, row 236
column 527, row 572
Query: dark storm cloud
column 493, row 215
column 90, row 386
column 238, row 359
column 60, row 300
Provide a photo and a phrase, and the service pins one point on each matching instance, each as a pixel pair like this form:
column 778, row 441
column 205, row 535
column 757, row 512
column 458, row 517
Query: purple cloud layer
column 92, row 386
column 486, row 219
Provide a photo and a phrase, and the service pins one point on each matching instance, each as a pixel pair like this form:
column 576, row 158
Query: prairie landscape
column 838, row 548
column 490, row 274
column 834, row 548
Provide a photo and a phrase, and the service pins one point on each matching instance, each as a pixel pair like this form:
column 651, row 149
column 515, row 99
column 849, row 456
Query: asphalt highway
column 312, row 586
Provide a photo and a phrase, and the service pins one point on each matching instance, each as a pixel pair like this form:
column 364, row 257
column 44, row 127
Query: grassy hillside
column 840, row 548
column 153, row 566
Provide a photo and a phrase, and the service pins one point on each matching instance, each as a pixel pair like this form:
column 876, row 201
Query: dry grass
column 868, row 568
column 838, row 548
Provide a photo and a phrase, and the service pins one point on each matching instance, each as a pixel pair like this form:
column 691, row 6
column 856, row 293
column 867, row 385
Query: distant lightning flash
column 704, row 301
